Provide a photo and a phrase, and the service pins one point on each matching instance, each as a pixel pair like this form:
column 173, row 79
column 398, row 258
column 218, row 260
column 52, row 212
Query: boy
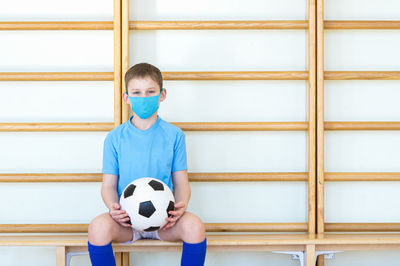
column 145, row 146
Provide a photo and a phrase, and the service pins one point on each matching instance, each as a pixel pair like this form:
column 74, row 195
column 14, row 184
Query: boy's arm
column 181, row 186
column 110, row 197
column 182, row 196
column 109, row 190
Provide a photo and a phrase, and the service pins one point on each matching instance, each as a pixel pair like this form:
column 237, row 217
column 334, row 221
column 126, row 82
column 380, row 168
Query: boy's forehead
column 142, row 83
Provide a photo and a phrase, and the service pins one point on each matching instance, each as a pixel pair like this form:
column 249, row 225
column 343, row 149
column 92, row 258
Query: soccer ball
column 147, row 201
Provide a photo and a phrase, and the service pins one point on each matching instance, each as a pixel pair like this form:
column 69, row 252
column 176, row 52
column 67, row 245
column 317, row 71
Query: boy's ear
column 125, row 97
column 163, row 94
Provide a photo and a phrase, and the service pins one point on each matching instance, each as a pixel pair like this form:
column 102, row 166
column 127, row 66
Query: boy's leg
column 102, row 231
column 191, row 230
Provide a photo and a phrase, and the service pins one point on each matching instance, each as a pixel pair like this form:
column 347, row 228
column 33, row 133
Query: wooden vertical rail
column 320, row 116
column 125, row 54
column 310, row 255
column 125, row 259
column 60, row 256
column 320, row 121
column 117, row 63
column 311, row 114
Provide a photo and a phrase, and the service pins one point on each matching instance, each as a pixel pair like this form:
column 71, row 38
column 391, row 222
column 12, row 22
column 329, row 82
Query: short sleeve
column 179, row 161
column 110, row 157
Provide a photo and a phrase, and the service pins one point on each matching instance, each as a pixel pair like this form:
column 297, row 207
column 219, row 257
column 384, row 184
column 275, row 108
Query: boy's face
column 143, row 87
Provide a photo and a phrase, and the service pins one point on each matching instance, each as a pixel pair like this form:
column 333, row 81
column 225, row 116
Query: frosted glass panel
column 247, row 151
column 362, row 50
column 47, row 152
column 217, row 10
column 56, row 51
column 235, row 101
column 217, row 258
column 362, row 9
column 250, row 202
column 220, row 50
column 359, row 202
column 81, row 202
column 362, row 151
column 362, row 100
column 33, row 256
column 365, row 258
column 61, row 10
column 57, row 101
column 50, row 202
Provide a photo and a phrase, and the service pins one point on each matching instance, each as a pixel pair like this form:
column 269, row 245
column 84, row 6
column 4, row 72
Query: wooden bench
column 308, row 246
column 66, row 244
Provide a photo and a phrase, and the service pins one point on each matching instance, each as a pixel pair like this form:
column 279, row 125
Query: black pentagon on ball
column 129, row 190
column 146, row 209
column 157, row 186
column 151, row 228
column 171, row 207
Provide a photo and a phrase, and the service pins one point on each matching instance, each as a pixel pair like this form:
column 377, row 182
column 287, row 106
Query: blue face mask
column 145, row 107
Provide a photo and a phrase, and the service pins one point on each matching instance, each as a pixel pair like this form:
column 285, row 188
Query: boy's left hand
column 180, row 208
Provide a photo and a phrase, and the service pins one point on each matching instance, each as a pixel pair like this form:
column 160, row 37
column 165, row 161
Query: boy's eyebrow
column 151, row 88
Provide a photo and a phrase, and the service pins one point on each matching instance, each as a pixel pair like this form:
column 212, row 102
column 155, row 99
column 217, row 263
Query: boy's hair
column 143, row 70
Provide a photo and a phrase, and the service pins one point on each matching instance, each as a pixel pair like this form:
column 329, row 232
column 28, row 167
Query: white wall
column 42, row 152
column 374, row 100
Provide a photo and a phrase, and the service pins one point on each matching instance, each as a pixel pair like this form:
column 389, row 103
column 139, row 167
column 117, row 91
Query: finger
column 125, row 224
column 166, row 226
column 117, row 213
column 122, row 216
column 169, row 225
column 176, row 213
column 173, row 219
column 124, row 220
column 169, row 219
column 116, row 206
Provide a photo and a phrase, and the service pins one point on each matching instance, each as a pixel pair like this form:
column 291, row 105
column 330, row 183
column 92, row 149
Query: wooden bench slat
column 214, row 240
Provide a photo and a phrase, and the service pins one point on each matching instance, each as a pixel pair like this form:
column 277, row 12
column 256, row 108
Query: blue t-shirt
column 132, row 153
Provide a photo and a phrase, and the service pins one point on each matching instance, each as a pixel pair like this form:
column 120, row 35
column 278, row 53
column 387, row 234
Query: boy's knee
column 193, row 229
column 100, row 230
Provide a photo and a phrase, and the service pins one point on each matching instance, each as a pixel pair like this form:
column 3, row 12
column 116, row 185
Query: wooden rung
column 362, row 125
column 44, row 228
column 210, row 227
column 218, row 25
column 109, row 76
column 237, row 75
column 185, row 126
column 193, row 177
column 242, row 126
column 57, row 25
column 32, row 127
column 51, row 177
column 362, row 75
column 362, row 227
column 330, row 176
column 56, row 76
column 361, row 24
column 256, row 227
column 246, row 177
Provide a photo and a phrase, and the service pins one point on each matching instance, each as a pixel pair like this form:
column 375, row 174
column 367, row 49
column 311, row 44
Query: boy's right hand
column 120, row 216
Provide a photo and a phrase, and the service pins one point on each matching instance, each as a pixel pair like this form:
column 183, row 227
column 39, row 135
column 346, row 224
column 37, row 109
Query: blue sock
column 101, row 255
column 194, row 254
